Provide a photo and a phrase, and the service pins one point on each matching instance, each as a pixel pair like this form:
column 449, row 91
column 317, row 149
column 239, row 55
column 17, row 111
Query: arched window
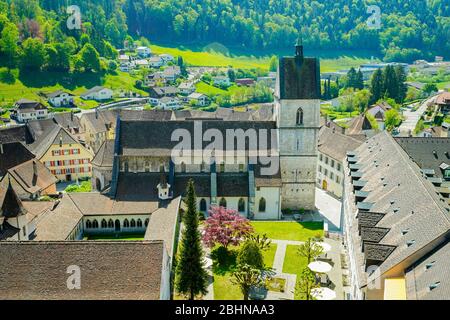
column 183, row 167
column 104, row 224
column 161, row 167
column 299, row 119
column 262, row 205
column 95, row 224
column 146, row 222
column 132, row 223
column 88, row 224
column 126, row 224
column 139, row 223
column 110, row 223
column 223, row 203
column 203, row 205
column 241, row 205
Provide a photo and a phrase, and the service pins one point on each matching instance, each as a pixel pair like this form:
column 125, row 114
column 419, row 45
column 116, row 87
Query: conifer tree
column 376, row 86
column 191, row 276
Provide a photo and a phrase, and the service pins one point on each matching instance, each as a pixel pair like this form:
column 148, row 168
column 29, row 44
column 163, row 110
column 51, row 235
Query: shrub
column 250, row 254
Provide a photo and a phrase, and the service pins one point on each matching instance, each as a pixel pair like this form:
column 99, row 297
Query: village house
column 166, row 58
column 98, row 126
column 171, row 73
column 123, row 58
column 60, row 98
column 443, row 102
column 186, row 88
column 31, row 180
column 26, row 110
column 245, row 82
column 143, row 52
column 168, row 103
column 221, row 81
column 59, row 151
column 200, row 99
column 12, row 154
column 155, row 62
column 97, row 93
column 378, row 111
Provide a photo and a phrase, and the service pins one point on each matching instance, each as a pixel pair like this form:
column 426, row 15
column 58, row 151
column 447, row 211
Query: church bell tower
column 297, row 113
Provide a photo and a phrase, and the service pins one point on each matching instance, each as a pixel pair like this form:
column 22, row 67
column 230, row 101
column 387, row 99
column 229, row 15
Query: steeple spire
column 299, row 47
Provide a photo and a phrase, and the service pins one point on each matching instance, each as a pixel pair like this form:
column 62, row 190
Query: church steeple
column 299, row 48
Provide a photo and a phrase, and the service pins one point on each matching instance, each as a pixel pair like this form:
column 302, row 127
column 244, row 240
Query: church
column 141, row 160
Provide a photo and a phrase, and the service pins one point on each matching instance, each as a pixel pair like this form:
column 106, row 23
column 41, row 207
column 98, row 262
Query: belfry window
column 223, row 203
column 262, row 205
column 299, row 118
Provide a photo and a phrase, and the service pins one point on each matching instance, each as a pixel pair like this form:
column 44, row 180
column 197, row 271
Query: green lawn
column 112, row 237
column 294, row 264
column 29, row 85
column 333, row 114
column 289, row 230
column 224, row 289
column 210, row 90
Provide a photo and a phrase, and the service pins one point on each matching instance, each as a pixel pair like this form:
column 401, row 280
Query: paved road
column 329, row 208
column 412, row 117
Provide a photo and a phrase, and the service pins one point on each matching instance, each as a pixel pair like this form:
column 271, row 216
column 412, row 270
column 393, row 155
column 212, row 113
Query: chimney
column 60, row 141
column 96, row 113
column 35, row 173
column 71, row 116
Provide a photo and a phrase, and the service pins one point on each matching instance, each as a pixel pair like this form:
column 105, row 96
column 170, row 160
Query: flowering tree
column 225, row 227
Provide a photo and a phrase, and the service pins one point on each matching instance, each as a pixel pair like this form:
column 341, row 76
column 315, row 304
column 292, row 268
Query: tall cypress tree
column 376, row 86
column 390, row 82
column 351, row 78
column 401, row 84
column 359, row 80
column 191, row 276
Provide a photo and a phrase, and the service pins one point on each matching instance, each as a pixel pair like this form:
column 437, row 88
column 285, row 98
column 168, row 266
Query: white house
column 141, row 63
column 97, row 93
column 169, row 103
column 60, row 98
column 171, row 73
column 143, row 52
column 201, row 99
column 123, row 58
column 186, row 88
column 166, row 57
column 221, row 81
column 156, row 62
column 26, row 110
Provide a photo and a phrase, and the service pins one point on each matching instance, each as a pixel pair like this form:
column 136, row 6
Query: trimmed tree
column 191, row 276
column 225, row 226
column 306, row 282
column 250, row 253
column 246, row 277
column 310, row 250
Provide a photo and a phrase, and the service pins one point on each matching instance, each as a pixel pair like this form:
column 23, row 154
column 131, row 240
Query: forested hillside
column 410, row 29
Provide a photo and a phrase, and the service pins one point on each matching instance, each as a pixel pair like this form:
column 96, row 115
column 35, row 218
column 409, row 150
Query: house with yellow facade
column 65, row 157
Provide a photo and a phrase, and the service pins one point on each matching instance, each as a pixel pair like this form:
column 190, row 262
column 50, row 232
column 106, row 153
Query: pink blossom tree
column 225, row 226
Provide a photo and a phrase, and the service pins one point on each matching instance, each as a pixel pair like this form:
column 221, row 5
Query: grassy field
column 294, row 264
column 32, row 84
column 224, row 289
column 333, row 114
column 113, row 237
column 210, row 90
column 252, row 59
column 299, row 231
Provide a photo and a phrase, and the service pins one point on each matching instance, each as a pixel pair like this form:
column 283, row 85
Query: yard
column 224, row 289
column 289, row 230
column 294, row 264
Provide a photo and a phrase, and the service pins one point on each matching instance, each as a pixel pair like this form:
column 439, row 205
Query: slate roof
column 105, row 155
column 150, row 138
column 24, row 178
column 232, row 185
column 403, row 200
column 8, row 231
column 68, row 120
column 432, row 269
column 299, row 77
column 427, row 152
column 358, row 125
column 99, row 121
column 10, row 204
column 25, row 105
column 335, row 144
column 13, row 154
column 15, row 134
column 109, row 269
column 93, row 90
column 57, row 93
